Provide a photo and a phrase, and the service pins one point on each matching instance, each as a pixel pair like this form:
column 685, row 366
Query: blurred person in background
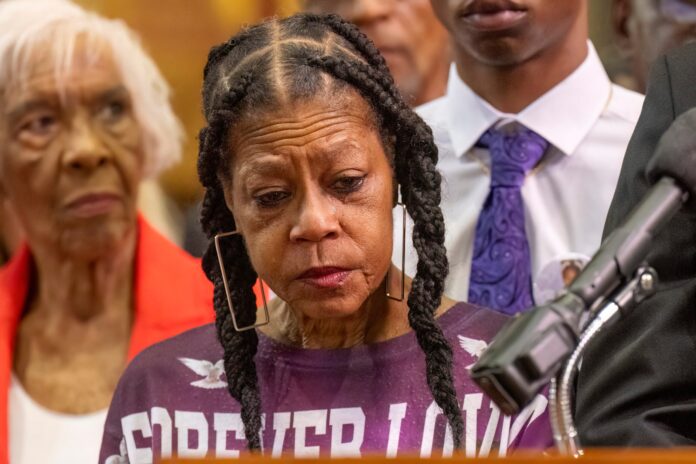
column 408, row 35
column 646, row 29
column 637, row 385
column 529, row 119
column 84, row 118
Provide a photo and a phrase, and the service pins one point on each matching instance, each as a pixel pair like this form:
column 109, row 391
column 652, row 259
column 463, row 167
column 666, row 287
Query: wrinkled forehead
column 53, row 59
column 299, row 121
column 327, row 124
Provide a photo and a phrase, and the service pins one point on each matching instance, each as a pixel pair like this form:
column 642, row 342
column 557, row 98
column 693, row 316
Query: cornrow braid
column 242, row 78
column 420, row 184
column 240, row 347
column 218, row 52
column 359, row 41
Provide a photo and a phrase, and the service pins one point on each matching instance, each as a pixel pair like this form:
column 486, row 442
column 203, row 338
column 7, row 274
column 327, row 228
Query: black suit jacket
column 637, row 385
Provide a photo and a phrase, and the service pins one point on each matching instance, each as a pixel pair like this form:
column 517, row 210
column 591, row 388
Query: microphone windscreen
column 675, row 155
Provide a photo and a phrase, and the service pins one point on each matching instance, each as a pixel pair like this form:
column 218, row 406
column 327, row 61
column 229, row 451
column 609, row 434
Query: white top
column 588, row 122
column 39, row 435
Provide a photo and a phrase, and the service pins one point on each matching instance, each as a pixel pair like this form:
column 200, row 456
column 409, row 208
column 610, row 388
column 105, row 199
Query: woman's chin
column 326, row 302
column 328, row 306
column 93, row 243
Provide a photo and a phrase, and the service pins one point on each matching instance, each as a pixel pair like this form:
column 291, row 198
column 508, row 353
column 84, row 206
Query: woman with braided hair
column 307, row 149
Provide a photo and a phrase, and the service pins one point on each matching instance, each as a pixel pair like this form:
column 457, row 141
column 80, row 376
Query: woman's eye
column 40, row 125
column 348, row 184
column 270, row 199
column 38, row 129
column 113, row 111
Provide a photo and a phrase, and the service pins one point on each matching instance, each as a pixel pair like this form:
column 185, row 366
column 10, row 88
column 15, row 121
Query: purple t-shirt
column 173, row 400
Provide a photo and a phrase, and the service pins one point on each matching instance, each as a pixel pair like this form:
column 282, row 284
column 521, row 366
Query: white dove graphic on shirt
column 211, row 372
column 472, row 346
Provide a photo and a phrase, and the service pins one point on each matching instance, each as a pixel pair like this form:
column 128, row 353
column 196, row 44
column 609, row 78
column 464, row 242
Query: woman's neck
column 379, row 319
column 79, row 289
column 72, row 342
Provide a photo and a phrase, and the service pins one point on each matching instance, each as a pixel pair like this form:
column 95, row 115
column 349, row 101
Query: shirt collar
column 563, row 115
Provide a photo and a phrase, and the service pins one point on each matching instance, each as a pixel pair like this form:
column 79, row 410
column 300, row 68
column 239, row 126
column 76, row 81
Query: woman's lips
column 93, row 204
column 325, row 277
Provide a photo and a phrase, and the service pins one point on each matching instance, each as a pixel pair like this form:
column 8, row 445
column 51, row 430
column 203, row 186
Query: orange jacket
column 171, row 294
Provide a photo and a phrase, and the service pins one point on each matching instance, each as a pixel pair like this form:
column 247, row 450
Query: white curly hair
column 26, row 25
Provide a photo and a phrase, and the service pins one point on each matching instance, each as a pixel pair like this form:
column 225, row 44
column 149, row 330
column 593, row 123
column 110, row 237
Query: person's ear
column 621, row 11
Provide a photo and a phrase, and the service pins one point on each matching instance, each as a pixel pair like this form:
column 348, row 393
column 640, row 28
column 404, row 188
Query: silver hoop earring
column 403, row 257
column 227, row 289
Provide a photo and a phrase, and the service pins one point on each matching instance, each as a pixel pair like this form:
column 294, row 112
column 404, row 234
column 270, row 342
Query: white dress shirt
column 588, row 122
column 38, row 435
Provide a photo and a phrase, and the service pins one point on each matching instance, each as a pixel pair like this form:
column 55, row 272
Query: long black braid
column 241, row 76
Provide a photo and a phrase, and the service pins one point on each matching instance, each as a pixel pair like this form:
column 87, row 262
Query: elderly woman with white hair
column 84, row 118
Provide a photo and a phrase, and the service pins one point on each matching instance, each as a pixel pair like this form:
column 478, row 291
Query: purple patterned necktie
column 501, row 266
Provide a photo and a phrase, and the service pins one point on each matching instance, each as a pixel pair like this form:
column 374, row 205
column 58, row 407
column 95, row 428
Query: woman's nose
column 316, row 219
column 85, row 149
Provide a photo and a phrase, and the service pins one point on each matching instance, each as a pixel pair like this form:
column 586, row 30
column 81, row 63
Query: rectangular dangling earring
column 227, row 290
column 403, row 253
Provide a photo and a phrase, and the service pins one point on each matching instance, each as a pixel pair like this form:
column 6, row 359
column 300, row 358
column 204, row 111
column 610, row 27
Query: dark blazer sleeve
column 637, row 385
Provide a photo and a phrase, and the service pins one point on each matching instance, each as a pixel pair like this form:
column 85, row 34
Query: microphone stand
column 619, row 304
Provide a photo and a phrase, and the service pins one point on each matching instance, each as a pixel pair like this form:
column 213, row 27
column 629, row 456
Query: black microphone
column 530, row 349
